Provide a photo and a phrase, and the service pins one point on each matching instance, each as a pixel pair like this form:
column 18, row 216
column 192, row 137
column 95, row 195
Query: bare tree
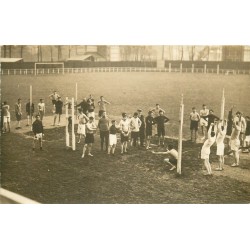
column 191, row 53
column 21, row 50
column 10, row 50
column 181, row 52
column 59, row 52
column 4, row 51
column 51, row 53
column 39, row 53
column 163, row 52
column 69, row 51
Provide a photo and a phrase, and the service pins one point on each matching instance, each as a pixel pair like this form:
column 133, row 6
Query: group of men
column 138, row 130
column 131, row 129
column 236, row 129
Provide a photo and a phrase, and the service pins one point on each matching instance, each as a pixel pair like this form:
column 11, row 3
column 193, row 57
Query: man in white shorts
column 112, row 137
column 205, row 150
column 235, row 143
column 220, row 143
column 6, row 117
column 203, row 122
column 81, row 129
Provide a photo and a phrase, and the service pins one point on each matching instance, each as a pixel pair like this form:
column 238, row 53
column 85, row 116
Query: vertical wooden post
column 218, row 69
column 222, row 110
column 169, row 67
column 67, row 122
column 31, row 115
column 181, row 68
column 192, row 68
column 73, row 126
column 205, row 68
column 180, row 136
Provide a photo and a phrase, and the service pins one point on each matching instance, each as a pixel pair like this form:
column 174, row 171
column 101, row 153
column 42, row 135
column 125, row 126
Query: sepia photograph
column 124, row 125
column 108, row 124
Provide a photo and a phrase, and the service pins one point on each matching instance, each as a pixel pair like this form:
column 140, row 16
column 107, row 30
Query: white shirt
column 135, row 124
column 41, row 106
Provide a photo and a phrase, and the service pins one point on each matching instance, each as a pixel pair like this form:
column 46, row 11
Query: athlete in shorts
column 220, row 143
column 18, row 112
column 203, row 122
column 89, row 140
column 112, row 137
column 54, row 97
column 82, row 121
column 41, row 108
column 125, row 130
column 58, row 111
column 160, row 121
column 235, row 143
column 102, row 105
column 149, row 121
column 135, row 124
column 170, row 151
column 37, row 128
column 6, row 117
column 205, row 150
column 194, row 123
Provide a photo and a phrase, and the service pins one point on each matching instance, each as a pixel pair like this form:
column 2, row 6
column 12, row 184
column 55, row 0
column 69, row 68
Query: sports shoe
column 90, row 154
column 218, row 169
column 82, row 155
column 174, row 167
column 234, row 165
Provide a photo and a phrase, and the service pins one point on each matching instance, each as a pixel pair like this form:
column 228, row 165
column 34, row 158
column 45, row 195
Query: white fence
column 57, row 71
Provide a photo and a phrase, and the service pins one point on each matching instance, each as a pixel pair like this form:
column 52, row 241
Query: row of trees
column 8, row 49
column 127, row 53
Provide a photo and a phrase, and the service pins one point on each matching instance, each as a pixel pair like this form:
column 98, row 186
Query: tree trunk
column 10, row 50
column 21, row 51
column 51, row 53
column 59, row 52
column 4, row 51
column 69, row 51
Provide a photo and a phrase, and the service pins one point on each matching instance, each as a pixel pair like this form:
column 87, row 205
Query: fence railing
column 57, row 71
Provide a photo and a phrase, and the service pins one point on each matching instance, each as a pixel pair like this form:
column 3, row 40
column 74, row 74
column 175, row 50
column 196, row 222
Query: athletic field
column 58, row 175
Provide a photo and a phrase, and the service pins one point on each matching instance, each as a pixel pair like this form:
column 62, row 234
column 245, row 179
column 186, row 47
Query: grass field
column 58, row 175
